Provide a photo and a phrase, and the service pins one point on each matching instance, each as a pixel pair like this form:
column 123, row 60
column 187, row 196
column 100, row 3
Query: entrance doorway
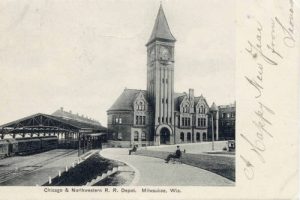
column 164, row 136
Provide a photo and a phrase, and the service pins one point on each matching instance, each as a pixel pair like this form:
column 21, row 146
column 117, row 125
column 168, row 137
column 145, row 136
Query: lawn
column 221, row 165
column 87, row 170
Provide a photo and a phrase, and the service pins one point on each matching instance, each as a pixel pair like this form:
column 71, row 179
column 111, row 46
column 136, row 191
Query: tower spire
column 161, row 30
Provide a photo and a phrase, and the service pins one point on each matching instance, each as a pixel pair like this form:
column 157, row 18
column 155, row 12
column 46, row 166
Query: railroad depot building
column 159, row 115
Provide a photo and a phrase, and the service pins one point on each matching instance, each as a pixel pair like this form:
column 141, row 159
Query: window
column 224, row 115
column 166, row 101
column 201, row 109
column 228, row 115
column 136, row 136
column 141, row 105
column 232, row 115
column 188, row 138
column 163, row 80
column 166, row 119
column 120, row 120
column 144, row 120
column 170, row 119
column 117, row 120
column 120, row 136
column 162, row 100
column 143, row 136
column 166, row 80
column 198, row 136
column 182, row 136
column 158, row 119
column 162, row 120
column 137, row 120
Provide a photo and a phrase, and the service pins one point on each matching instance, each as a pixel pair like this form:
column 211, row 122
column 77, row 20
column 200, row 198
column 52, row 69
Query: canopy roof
column 48, row 124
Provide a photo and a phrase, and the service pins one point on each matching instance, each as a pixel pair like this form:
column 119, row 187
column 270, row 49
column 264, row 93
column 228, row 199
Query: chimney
column 191, row 94
column 61, row 108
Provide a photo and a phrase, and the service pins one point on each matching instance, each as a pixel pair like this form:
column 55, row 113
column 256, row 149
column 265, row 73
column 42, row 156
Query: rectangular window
column 204, row 122
column 162, row 120
column 158, row 119
column 137, row 120
column 144, row 120
column 170, row 119
column 162, row 100
column 166, row 101
column 120, row 120
column 163, row 80
column 166, row 119
column 166, row 80
column 117, row 120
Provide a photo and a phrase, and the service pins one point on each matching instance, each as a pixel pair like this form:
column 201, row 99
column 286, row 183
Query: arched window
column 143, row 136
column 136, row 136
column 182, row 136
column 185, row 108
column 201, row 109
column 198, row 136
column 120, row 136
column 204, row 136
column 188, row 138
column 141, row 105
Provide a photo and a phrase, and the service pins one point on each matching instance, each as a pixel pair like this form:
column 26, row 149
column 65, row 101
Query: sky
column 80, row 55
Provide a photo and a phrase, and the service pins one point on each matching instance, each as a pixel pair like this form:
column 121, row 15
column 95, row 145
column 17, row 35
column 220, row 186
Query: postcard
column 127, row 99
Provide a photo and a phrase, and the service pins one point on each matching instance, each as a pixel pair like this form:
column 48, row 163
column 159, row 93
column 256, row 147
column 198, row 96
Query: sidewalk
column 155, row 172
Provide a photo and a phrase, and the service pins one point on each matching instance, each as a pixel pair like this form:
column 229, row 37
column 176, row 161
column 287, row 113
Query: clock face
column 164, row 54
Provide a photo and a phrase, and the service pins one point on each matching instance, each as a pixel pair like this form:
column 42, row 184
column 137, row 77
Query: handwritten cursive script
column 264, row 52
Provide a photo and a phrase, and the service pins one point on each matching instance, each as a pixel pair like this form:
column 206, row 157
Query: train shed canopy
column 44, row 123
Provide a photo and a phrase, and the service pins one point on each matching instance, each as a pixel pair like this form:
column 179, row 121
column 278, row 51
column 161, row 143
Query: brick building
column 158, row 115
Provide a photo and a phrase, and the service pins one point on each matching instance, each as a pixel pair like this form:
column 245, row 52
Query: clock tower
column 160, row 79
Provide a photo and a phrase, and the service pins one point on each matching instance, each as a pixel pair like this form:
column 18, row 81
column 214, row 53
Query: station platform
column 35, row 169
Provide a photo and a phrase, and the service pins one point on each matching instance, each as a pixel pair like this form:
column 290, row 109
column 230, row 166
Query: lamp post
column 213, row 110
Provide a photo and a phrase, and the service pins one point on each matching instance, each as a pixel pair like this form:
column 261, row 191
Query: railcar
column 48, row 143
column 4, row 149
column 13, row 146
column 28, row 145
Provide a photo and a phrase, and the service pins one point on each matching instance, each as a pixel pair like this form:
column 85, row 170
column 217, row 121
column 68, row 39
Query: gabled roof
column 126, row 99
column 178, row 97
column 161, row 28
column 197, row 99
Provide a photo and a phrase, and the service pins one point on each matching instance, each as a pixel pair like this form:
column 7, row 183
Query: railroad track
column 12, row 174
